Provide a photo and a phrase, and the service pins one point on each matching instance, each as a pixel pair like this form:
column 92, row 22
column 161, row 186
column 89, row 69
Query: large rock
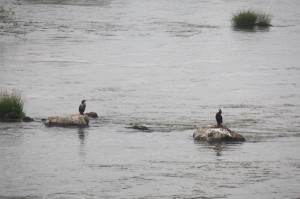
column 72, row 120
column 215, row 133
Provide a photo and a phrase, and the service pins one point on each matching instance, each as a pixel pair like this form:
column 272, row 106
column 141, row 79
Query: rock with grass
column 67, row 121
column 11, row 106
column 215, row 133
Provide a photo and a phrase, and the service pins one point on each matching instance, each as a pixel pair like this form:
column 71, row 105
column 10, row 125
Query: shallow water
column 168, row 65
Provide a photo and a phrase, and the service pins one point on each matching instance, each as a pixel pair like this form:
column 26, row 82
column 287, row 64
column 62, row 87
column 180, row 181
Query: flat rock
column 71, row 120
column 215, row 133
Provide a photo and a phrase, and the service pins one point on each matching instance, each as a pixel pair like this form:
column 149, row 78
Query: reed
column 250, row 19
column 11, row 102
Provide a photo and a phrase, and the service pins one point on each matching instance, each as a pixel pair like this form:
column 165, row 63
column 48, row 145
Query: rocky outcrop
column 215, row 133
column 65, row 121
column 92, row 115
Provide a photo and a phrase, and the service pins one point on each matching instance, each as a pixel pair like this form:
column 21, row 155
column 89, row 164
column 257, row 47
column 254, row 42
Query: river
column 168, row 65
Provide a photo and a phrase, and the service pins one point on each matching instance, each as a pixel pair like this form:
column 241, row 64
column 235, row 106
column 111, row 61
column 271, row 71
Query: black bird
column 82, row 107
column 219, row 118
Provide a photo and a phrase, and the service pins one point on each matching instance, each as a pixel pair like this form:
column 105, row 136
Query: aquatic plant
column 250, row 19
column 11, row 102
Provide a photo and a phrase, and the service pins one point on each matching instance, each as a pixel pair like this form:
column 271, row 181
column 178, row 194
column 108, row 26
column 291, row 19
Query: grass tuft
column 11, row 102
column 250, row 18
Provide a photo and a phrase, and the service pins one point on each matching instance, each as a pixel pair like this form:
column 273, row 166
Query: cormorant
column 82, row 107
column 219, row 118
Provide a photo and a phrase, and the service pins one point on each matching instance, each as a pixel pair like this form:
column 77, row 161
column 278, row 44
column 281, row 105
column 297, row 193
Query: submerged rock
column 27, row 119
column 215, row 133
column 92, row 114
column 139, row 127
column 72, row 120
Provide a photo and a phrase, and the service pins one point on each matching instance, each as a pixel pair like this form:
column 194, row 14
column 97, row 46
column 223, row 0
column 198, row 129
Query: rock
column 27, row 119
column 72, row 120
column 92, row 114
column 12, row 117
column 215, row 133
column 139, row 127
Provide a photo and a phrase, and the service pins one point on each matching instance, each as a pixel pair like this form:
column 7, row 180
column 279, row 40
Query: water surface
column 166, row 64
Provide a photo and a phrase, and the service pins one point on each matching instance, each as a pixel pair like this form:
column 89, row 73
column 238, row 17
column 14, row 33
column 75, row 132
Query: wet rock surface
column 215, row 133
column 65, row 121
column 27, row 119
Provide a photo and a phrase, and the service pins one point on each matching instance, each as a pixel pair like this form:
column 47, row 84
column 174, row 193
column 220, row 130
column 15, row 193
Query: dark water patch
column 9, row 24
column 20, row 197
column 108, row 89
column 180, row 28
column 291, row 96
column 219, row 148
column 168, row 162
column 116, row 166
column 280, row 69
column 241, row 106
column 293, row 68
column 69, row 2
column 153, row 125
column 252, row 30
column 284, row 26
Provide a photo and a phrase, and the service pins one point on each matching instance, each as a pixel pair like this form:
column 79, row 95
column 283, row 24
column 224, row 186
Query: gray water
column 166, row 64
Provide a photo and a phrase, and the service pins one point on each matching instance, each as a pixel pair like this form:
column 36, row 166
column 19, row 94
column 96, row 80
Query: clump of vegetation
column 250, row 19
column 11, row 103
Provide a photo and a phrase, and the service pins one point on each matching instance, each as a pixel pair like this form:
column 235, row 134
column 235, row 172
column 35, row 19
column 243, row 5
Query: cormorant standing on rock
column 219, row 118
column 82, row 107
